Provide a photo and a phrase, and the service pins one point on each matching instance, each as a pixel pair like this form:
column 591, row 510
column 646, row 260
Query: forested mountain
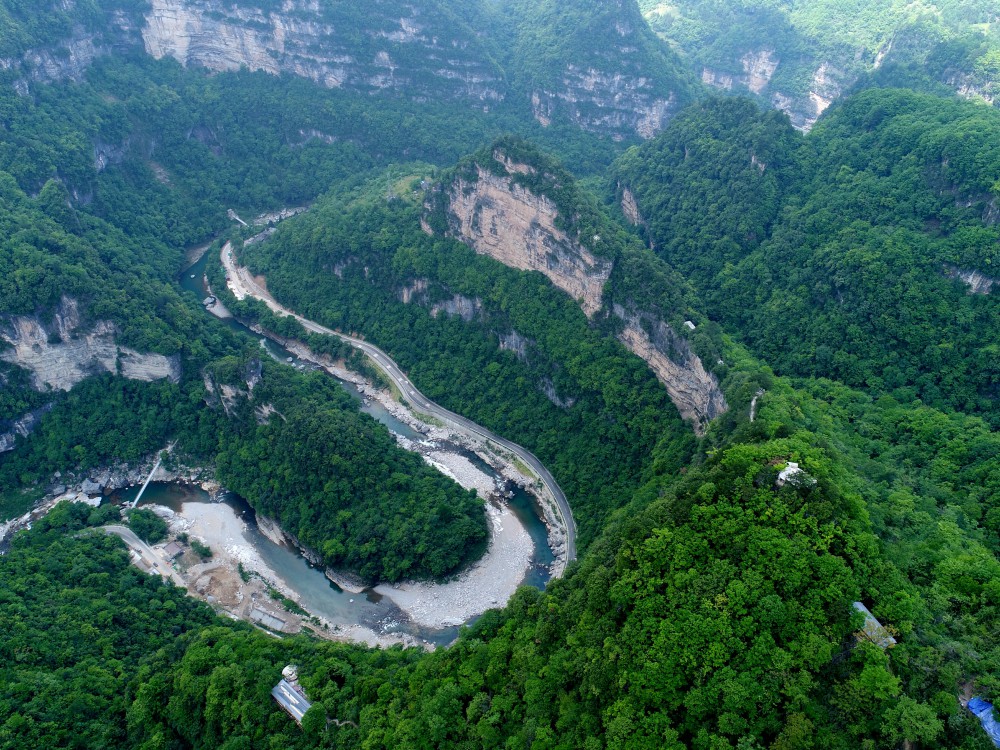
column 588, row 64
column 801, row 55
column 861, row 253
column 763, row 365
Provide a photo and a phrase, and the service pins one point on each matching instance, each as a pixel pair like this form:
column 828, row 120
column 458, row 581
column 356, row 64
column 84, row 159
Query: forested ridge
column 834, row 255
column 782, row 52
column 711, row 606
column 570, row 395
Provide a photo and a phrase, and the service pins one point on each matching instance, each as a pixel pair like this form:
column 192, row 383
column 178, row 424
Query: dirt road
column 162, row 566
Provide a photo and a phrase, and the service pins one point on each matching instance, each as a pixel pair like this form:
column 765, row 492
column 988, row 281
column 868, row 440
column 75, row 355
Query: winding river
column 314, row 590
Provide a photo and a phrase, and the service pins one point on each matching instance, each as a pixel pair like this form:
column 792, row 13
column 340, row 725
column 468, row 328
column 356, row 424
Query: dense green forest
column 760, row 575
column 833, row 255
column 711, row 606
column 592, row 412
column 952, row 43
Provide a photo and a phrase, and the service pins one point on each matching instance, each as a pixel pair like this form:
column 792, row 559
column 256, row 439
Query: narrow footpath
column 244, row 285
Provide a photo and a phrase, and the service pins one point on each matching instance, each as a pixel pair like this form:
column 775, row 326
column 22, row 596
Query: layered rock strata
column 693, row 390
column 500, row 218
column 59, row 354
column 418, row 53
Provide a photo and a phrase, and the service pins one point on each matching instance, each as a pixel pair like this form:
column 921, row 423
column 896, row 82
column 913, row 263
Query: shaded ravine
column 243, row 284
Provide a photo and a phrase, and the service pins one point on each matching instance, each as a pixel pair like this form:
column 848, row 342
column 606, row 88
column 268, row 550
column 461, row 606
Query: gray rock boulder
column 90, row 487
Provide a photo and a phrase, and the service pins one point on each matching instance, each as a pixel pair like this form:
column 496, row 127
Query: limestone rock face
column 418, row 53
column 617, row 103
column 694, row 391
column 759, row 66
column 466, row 308
column 459, row 305
column 499, row 217
column 977, row 281
column 60, row 355
column 630, row 207
column 71, row 56
column 502, row 219
column 21, row 428
column 516, row 343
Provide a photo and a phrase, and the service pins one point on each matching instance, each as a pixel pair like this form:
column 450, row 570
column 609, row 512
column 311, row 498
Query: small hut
column 873, row 630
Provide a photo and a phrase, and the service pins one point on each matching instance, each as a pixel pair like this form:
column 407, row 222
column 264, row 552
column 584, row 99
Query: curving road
column 241, row 281
column 128, row 536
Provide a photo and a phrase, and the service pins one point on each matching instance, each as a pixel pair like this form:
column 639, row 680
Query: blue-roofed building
column 983, row 710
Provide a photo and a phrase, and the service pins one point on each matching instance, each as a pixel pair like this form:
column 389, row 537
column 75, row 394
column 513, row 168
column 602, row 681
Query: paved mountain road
column 244, row 283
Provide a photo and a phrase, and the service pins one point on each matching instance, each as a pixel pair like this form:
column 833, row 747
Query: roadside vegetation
column 711, row 606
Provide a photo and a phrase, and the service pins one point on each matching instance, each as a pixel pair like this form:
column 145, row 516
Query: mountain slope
column 861, row 253
column 596, row 64
column 586, row 66
column 801, row 55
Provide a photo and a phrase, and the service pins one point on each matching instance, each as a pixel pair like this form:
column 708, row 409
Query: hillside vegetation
column 840, row 285
column 834, row 255
column 790, row 51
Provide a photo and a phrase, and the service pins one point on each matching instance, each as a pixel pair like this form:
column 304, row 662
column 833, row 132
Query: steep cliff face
column 410, row 47
column 498, row 216
column 978, row 282
column 458, row 305
column 694, row 391
column 501, row 218
column 608, row 74
column 630, row 207
column 597, row 65
column 59, row 354
column 826, row 85
column 606, row 102
column 70, row 56
column 21, row 428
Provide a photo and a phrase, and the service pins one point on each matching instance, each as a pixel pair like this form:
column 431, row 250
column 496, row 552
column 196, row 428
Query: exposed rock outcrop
column 606, row 102
column 694, row 391
column 717, row 79
column 549, row 389
column 516, row 343
column 630, row 207
column 978, row 282
column 70, row 57
column 21, row 427
column 415, row 292
column 826, row 87
column 59, row 354
column 500, row 218
column 466, row 308
column 423, row 55
column 759, row 66
column 758, row 69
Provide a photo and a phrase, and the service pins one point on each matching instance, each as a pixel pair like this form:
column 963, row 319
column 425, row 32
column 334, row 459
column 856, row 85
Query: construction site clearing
column 230, row 580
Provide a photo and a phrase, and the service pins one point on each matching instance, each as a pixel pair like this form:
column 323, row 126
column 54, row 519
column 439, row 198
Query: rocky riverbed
column 488, row 583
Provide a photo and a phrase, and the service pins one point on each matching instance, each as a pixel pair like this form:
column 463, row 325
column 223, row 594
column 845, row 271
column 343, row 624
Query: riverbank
column 488, row 583
column 91, row 487
column 501, row 461
column 536, row 478
column 237, row 580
